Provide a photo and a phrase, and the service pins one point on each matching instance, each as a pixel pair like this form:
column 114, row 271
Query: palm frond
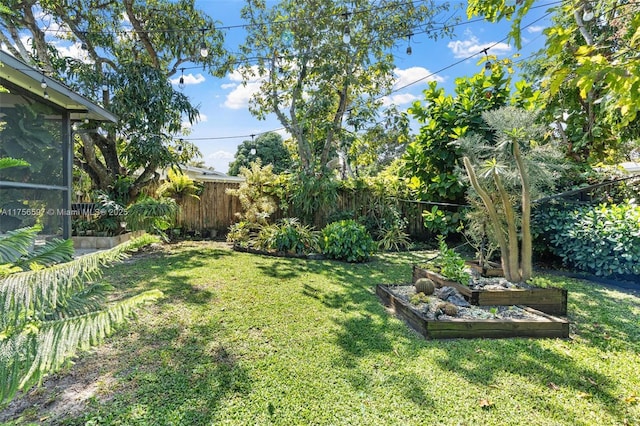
column 27, row 357
column 17, row 244
column 52, row 252
column 7, row 162
column 88, row 300
column 35, row 293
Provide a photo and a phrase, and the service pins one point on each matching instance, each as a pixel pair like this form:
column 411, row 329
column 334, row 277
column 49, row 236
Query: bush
column 603, row 239
column 450, row 263
column 347, row 240
column 240, row 234
column 289, row 236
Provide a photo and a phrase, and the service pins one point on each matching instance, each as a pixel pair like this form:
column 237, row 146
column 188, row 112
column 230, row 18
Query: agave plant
column 48, row 310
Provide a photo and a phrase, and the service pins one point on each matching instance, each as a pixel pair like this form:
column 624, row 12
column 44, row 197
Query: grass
column 243, row 339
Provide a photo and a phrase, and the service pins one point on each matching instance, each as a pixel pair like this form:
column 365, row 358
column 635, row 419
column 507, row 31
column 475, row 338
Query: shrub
column 288, row 235
column 602, row 239
column 450, row 263
column 240, row 234
column 347, row 240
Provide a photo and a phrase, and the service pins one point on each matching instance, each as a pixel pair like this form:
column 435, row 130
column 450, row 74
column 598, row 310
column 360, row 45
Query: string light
column 46, row 94
column 487, row 64
column 43, row 83
column 409, row 50
column 587, row 14
column 204, row 52
column 181, row 81
column 346, row 34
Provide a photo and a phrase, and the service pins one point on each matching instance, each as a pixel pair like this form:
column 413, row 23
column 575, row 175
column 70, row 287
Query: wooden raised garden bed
column 543, row 326
column 552, row 301
column 491, row 269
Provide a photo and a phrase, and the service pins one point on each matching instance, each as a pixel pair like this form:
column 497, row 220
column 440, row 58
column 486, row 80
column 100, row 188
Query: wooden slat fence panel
column 217, row 210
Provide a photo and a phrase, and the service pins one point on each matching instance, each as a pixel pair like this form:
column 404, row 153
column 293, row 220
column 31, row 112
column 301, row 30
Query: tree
column 589, row 72
column 431, row 159
column 133, row 59
column 268, row 147
column 506, row 171
column 325, row 64
column 377, row 147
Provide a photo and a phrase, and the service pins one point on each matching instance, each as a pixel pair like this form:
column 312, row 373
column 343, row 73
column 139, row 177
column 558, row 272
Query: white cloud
column 239, row 97
column 413, row 74
column 228, row 85
column 220, row 155
column 399, row 99
column 471, row 46
column 189, row 79
column 535, row 29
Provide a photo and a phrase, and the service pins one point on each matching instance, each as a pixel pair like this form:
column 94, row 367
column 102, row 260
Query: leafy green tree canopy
column 324, row 62
column 268, row 147
column 430, row 160
column 130, row 48
column 589, row 71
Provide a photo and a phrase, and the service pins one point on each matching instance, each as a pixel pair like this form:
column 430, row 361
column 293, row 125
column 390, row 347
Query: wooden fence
column 216, row 210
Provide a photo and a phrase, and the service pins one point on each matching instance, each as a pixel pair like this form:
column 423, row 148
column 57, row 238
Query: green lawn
column 244, row 339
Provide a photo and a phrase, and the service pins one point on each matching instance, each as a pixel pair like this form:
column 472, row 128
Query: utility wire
column 393, row 91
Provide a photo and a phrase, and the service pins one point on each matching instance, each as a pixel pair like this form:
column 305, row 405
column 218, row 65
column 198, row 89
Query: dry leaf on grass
column 485, row 403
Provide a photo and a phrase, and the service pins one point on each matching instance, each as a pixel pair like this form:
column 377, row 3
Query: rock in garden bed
column 434, row 318
column 484, row 291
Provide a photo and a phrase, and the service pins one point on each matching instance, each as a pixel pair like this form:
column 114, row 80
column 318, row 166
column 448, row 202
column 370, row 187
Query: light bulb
column 46, row 95
column 587, row 15
column 181, row 83
column 43, row 83
column 487, row 66
column 409, row 50
column 74, row 127
column 204, row 52
column 346, row 36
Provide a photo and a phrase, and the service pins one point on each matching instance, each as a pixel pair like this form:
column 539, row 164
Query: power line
column 395, row 90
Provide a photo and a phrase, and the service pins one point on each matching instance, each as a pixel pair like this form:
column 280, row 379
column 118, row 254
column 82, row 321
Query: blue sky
column 226, row 121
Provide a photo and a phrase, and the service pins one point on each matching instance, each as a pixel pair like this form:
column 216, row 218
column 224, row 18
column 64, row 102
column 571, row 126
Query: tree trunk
column 512, row 231
column 527, row 246
column 493, row 216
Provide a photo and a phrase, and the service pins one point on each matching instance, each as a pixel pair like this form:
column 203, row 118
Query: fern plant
column 48, row 310
column 178, row 186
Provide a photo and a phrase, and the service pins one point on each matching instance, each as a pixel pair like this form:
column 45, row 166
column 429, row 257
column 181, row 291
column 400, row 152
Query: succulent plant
column 447, row 309
column 425, row 285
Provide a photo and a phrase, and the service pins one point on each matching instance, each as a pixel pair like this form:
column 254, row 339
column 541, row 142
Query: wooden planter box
column 103, row 242
column 544, row 326
column 552, row 301
column 492, row 270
